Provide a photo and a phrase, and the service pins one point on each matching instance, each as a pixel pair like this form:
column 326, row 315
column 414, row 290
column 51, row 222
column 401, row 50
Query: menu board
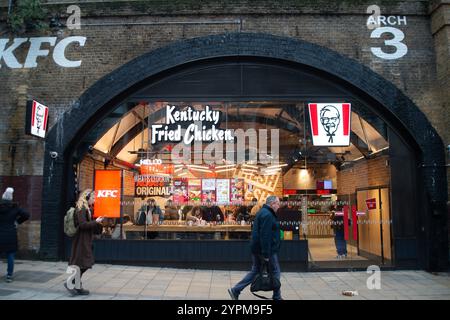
column 150, row 185
column 223, row 191
column 237, row 190
column 208, row 190
column 195, row 189
column 180, row 190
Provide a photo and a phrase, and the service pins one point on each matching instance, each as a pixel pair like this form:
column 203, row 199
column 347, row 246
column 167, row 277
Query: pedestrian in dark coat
column 265, row 245
column 10, row 216
column 82, row 243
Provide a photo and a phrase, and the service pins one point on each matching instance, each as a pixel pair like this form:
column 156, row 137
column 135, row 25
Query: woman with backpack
column 10, row 216
column 82, row 252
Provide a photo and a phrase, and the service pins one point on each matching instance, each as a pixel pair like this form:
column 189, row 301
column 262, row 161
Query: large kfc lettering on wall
column 8, row 57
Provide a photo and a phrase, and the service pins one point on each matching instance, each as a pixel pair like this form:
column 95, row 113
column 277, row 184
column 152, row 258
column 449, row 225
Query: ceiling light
column 202, row 170
column 277, row 166
column 225, row 166
column 223, row 170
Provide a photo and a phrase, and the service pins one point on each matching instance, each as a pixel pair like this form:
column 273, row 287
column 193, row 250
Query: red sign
column 37, row 119
column 321, row 192
column 330, row 123
column 180, row 190
column 289, row 191
column 148, row 169
column 346, row 222
column 355, row 223
column 108, row 189
column 371, row 203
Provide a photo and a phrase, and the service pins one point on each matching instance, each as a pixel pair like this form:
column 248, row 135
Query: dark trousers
column 341, row 243
column 10, row 257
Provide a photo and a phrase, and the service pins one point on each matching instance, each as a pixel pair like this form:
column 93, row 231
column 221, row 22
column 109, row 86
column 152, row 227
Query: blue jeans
column 341, row 243
column 273, row 261
column 10, row 257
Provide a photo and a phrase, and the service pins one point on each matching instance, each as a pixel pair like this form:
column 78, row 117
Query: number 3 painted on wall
column 402, row 49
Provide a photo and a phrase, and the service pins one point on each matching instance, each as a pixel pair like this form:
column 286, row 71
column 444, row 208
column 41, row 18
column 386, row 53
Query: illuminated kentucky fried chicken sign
column 330, row 123
column 189, row 125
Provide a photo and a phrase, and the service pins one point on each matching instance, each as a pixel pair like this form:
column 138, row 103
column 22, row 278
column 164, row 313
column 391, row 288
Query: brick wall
column 338, row 27
column 370, row 173
column 27, row 192
column 440, row 28
column 422, row 74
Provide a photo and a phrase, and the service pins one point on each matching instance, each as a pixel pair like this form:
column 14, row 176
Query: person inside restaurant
column 212, row 212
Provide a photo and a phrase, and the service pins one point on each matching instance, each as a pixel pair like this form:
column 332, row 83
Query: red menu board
column 237, row 190
column 180, row 191
column 195, row 190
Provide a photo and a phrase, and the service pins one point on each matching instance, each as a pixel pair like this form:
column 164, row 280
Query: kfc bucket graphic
column 330, row 124
column 37, row 119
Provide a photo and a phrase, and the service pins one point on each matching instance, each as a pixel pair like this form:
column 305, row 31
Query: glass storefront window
column 201, row 170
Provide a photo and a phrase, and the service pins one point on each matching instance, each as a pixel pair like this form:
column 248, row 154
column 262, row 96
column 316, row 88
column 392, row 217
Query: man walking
column 265, row 244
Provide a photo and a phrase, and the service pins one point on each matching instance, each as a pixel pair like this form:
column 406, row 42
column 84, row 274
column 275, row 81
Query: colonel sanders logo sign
column 330, row 123
column 37, row 119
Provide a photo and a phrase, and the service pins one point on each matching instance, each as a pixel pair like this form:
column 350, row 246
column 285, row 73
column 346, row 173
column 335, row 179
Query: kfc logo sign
column 330, row 123
column 107, row 193
column 108, row 187
column 37, row 119
column 7, row 53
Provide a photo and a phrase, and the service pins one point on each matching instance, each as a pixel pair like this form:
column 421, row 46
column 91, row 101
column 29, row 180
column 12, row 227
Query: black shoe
column 233, row 295
column 82, row 292
column 280, row 298
column 72, row 292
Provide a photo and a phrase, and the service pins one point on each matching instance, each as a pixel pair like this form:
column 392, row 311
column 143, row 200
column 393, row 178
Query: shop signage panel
column 37, row 119
column 371, row 203
column 223, row 191
column 155, row 167
column 180, row 191
column 237, row 190
column 195, row 190
column 108, row 192
column 151, row 185
column 201, row 125
column 208, row 190
column 330, row 123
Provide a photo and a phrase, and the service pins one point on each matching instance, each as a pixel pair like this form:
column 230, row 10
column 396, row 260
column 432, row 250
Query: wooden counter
column 186, row 228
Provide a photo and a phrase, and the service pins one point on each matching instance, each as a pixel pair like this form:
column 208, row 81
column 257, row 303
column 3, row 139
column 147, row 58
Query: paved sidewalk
column 44, row 280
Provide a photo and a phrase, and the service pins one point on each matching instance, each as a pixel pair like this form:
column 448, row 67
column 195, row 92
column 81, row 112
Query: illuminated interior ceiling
column 127, row 139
